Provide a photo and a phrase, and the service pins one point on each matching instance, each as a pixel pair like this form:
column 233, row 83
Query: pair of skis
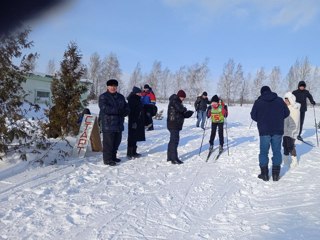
column 217, row 155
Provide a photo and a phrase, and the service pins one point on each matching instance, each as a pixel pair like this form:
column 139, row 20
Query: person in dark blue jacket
column 269, row 111
column 113, row 110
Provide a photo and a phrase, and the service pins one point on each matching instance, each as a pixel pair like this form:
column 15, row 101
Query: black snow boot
column 135, row 154
column 275, row 173
column 130, row 152
column 264, row 175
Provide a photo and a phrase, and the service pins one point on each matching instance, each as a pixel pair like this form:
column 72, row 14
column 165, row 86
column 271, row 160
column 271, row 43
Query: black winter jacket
column 136, row 117
column 201, row 104
column 269, row 111
column 113, row 109
column 301, row 97
column 176, row 112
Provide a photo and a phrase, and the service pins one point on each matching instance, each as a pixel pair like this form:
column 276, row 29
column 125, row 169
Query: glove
column 134, row 125
column 313, row 103
column 188, row 114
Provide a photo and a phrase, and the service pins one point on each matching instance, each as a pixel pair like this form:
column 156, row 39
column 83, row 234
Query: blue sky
column 255, row 33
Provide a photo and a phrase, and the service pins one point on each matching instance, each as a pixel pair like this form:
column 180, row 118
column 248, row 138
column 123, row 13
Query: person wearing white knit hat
column 291, row 130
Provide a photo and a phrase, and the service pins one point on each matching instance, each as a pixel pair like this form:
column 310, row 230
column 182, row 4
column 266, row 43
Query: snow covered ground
column 148, row 198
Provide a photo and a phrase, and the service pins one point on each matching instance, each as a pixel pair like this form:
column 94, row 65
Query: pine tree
column 12, row 126
column 66, row 92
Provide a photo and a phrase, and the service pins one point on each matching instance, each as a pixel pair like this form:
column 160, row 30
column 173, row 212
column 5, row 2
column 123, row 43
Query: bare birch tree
column 238, row 83
column 179, row 79
column 94, row 71
column 136, row 77
column 51, row 68
column 195, row 79
column 164, row 84
column 226, row 81
column 300, row 71
column 275, row 80
column 154, row 76
column 110, row 69
column 258, row 82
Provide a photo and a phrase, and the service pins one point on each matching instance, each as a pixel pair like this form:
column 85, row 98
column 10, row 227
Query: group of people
column 279, row 121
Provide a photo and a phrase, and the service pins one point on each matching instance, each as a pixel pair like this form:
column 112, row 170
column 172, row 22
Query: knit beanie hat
column 265, row 89
column 302, row 83
column 181, row 94
column 146, row 86
column 136, row 90
column 215, row 98
column 112, row 82
column 204, row 94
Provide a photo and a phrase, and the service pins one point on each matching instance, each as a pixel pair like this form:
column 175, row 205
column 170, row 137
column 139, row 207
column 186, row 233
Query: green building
column 38, row 87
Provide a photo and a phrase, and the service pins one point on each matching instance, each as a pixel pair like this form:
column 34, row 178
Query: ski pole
column 315, row 122
column 227, row 135
column 250, row 124
column 204, row 130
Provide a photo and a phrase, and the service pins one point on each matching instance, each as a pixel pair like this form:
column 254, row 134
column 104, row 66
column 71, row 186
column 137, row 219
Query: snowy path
column 149, row 198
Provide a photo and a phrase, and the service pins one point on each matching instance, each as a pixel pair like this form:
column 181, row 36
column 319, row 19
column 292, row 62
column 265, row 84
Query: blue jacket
column 113, row 109
column 269, row 111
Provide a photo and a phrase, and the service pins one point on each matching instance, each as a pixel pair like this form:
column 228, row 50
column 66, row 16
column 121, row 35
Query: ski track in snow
column 149, row 198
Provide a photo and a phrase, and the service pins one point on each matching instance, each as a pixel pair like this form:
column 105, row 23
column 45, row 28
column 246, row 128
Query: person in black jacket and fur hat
column 113, row 110
column 136, row 129
column 301, row 97
column 176, row 115
column 269, row 111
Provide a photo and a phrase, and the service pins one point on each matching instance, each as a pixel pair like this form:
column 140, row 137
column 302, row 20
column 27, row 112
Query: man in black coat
column 113, row 110
column 136, row 129
column 301, row 97
column 201, row 107
column 269, row 111
column 176, row 115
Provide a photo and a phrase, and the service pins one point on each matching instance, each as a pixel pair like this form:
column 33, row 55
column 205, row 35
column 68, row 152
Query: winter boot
column 177, row 161
column 264, row 175
column 135, row 154
column 285, row 159
column 294, row 161
column 110, row 163
column 220, row 148
column 275, row 173
column 211, row 147
column 130, row 152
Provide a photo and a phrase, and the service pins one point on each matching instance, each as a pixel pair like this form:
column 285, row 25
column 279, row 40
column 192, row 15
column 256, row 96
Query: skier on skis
column 301, row 97
column 217, row 111
column 291, row 130
column 269, row 111
column 176, row 115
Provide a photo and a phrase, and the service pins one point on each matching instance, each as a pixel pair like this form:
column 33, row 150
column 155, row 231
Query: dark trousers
column 302, row 114
column 172, row 153
column 288, row 146
column 111, row 142
column 132, row 142
column 213, row 133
